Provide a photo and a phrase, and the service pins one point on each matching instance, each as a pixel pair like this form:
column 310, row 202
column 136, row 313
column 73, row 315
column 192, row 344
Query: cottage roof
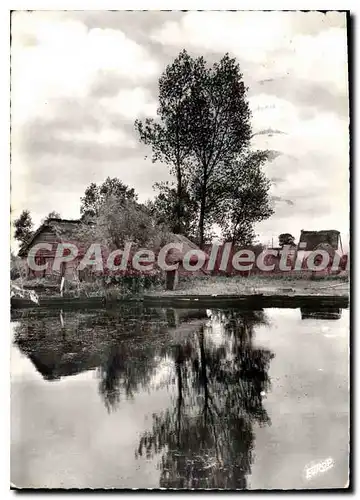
column 315, row 238
column 175, row 255
column 54, row 364
column 65, row 227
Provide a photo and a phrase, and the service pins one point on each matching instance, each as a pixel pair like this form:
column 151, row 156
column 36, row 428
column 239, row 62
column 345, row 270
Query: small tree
column 243, row 197
column 23, row 227
column 120, row 221
column 96, row 195
column 164, row 209
column 51, row 215
column 286, row 239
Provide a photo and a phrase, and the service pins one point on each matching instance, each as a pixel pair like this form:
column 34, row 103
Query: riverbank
column 220, row 286
column 254, row 292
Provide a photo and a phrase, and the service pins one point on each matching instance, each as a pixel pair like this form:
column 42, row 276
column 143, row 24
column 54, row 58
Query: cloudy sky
column 80, row 79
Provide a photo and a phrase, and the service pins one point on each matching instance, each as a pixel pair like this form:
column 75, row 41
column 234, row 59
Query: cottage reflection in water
column 321, row 313
column 216, row 376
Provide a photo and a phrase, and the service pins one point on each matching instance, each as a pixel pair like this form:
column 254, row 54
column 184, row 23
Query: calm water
column 147, row 398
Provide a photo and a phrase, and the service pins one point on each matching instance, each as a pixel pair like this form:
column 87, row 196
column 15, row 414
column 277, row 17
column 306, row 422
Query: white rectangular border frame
column 5, row 9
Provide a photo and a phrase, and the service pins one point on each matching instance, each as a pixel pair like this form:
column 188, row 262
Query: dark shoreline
column 257, row 301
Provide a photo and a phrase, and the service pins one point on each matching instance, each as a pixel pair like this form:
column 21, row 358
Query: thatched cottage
column 52, row 231
column 56, row 231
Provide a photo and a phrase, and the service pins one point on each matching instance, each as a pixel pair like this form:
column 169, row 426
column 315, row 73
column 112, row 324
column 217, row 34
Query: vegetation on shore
column 112, row 288
column 203, row 135
column 274, row 284
column 140, row 286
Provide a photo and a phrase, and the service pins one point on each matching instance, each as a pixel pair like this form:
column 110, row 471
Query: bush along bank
column 108, row 287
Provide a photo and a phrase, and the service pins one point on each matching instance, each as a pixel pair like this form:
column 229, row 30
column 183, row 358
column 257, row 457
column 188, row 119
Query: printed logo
column 314, row 470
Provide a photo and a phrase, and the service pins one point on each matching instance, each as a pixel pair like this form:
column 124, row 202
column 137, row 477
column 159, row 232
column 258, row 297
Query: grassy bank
column 220, row 286
column 116, row 288
column 274, row 285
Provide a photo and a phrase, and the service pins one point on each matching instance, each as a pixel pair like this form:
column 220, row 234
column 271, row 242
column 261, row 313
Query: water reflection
column 205, row 438
column 320, row 313
column 123, row 345
column 207, row 435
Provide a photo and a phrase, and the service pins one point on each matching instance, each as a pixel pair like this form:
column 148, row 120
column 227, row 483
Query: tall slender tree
column 220, row 130
column 170, row 136
column 203, row 127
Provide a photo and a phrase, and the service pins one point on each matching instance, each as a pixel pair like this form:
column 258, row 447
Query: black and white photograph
column 180, row 250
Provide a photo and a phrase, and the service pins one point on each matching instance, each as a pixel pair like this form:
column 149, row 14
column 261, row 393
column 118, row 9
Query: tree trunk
column 202, row 222
column 178, row 227
column 180, row 397
column 172, row 278
column 203, row 369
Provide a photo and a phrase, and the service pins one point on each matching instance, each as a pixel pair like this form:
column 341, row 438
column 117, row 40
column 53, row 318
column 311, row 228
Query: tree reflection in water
column 131, row 362
column 206, row 438
column 123, row 346
column 126, row 370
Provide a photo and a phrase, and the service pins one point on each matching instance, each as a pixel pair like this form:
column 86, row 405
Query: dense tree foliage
column 23, row 227
column 170, row 137
column 122, row 220
column 286, row 239
column 164, row 209
column 95, row 195
column 246, row 200
column 202, row 133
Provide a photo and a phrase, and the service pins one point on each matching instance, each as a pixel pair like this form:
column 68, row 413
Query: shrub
column 115, row 286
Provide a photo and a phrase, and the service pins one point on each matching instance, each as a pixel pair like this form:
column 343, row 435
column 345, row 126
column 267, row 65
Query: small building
column 328, row 240
column 332, row 313
column 53, row 231
column 177, row 256
column 316, row 239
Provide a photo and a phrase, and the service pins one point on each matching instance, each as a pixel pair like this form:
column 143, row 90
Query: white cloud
column 54, row 58
column 268, row 39
column 253, row 34
column 313, row 167
column 325, row 133
column 271, row 112
column 131, row 103
column 321, row 58
column 105, row 136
